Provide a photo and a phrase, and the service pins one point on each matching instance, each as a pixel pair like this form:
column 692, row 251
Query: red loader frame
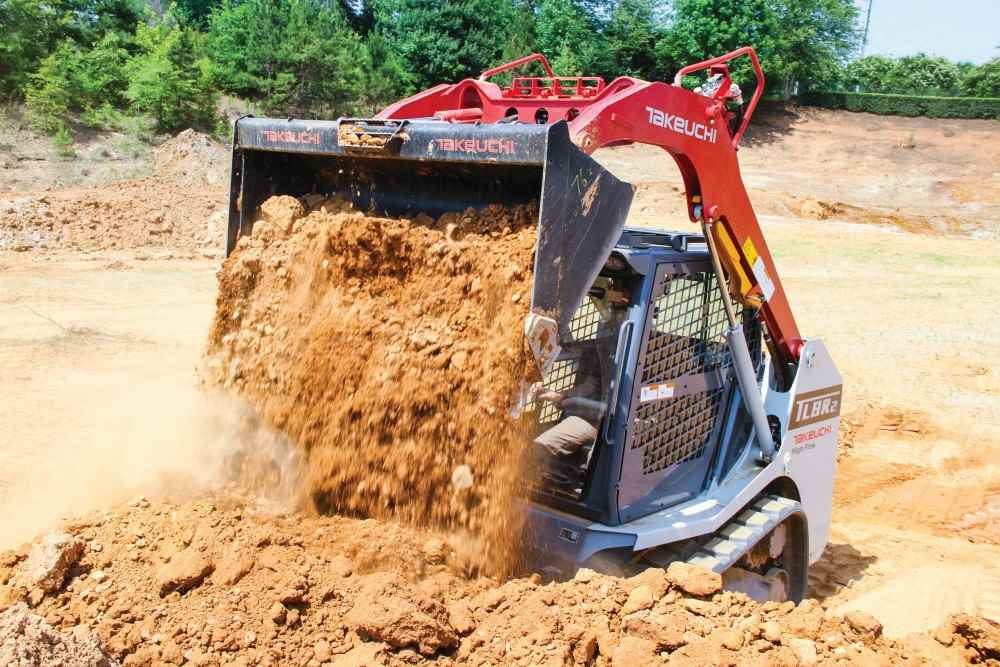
column 692, row 128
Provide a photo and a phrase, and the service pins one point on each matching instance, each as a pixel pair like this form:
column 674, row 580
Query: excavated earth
column 391, row 351
column 215, row 582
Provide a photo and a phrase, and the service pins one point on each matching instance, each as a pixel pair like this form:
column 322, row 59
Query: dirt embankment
column 391, row 351
column 179, row 212
column 215, row 583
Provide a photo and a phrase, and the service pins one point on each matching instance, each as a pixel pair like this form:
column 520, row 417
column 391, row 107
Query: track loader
column 681, row 415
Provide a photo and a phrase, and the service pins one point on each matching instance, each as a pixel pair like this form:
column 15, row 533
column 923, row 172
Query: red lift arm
column 692, row 128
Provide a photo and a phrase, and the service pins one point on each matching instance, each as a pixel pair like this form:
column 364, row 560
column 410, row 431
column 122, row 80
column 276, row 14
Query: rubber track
column 742, row 532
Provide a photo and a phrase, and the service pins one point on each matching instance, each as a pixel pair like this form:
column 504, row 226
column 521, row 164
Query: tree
column 169, row 77
column 569, row 35
column 631, row 36
column 804, row 41
column 31, row 30
column 921, row 74
column 295, row 57
column 869, row 74
column 444, row 42
column 983, row 80
column 71, row 79
column 196, row 12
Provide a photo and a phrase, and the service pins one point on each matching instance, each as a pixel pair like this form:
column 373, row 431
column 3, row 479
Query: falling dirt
column 391, row 351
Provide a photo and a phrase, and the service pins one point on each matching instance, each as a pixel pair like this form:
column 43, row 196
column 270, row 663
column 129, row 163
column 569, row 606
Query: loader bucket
column 406, row 167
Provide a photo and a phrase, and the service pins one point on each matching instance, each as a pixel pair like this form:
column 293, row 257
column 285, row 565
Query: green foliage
column 31, row 30
column 442, row 42
column 74, row 80
column 568, row 34
column 168, row 79
column 869, row 74
column 907, row 105
column 385, row 74
column 912, row 75
column 292, row 56
column 983, row 81
column 196, row 12
column 52, row 93
column 797, row 40
column 63, row 141
column 632, row 34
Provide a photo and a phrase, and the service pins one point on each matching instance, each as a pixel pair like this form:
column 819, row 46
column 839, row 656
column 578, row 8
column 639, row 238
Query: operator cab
column 634, row 413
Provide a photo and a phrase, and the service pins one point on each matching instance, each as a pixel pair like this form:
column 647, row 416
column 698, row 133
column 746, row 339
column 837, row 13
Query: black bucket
column 402, row 168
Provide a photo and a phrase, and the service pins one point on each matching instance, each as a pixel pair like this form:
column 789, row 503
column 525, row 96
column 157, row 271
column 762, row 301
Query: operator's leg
column 567, row 437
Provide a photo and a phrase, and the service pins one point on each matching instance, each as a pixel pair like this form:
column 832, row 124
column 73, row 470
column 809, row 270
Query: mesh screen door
column 681, row 387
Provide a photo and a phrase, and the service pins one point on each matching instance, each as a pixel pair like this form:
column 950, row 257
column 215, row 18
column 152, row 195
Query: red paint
column 618, row 113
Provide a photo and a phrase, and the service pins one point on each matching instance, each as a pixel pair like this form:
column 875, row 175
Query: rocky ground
column 217, row 582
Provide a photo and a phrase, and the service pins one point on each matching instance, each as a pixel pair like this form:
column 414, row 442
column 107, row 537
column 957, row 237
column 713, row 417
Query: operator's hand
column 540, row 393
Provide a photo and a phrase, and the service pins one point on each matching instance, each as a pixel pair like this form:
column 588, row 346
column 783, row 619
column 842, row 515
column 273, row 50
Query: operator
column 573, row 432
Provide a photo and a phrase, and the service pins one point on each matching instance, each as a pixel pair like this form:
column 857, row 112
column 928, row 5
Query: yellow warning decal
column 750, row 251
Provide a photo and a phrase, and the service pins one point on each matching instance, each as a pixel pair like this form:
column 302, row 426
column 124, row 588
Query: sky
column 956, row 29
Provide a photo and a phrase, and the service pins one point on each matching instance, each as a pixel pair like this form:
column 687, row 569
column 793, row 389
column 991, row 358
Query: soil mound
column 193, row 157
column 276, row 590
column 26, row 640
column 149, row 217
column 391, row 351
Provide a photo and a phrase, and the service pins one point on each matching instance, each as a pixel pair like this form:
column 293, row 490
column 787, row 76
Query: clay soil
column 391, row 352
column 101, row 355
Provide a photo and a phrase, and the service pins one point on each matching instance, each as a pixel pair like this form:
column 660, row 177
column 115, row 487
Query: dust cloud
column 157, row 438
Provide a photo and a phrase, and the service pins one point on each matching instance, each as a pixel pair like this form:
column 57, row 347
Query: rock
column 693, row 579
column 863, row 623
column 459, row 359
column 943, row 635
column 805, row 620
column 364, row 655
column 460, row 617
column 585, row 648
column 805, row 651
column 771, row 631
column 278, row 613
column 732, row 639
column 654, row 578
column 390, row 611
column 584, row 575
column 50, row 560
column 321, row 651
column 635, row 652
column 98, row 575
column 665, row 630
column 640, row 598
column 461, row 478
column 232, row 568
column 282, row 212
column 982, row 636
column 185, row 570
column 699, row 607
column 27, row 640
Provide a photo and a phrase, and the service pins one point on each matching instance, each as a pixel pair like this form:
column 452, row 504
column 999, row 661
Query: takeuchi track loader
column 683, row 415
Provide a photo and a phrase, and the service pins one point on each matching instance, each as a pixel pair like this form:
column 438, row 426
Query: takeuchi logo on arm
column 682, row 125
column 291, row 137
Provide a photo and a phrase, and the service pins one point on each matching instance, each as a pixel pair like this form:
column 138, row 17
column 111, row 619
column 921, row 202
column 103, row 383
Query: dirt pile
column 193, row 157
column 274, row 590
column 391, row 350
column 179, row 212
column 26, row 640
column 150, row 217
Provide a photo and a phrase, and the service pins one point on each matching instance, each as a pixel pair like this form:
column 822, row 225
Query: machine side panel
column 810, row 421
